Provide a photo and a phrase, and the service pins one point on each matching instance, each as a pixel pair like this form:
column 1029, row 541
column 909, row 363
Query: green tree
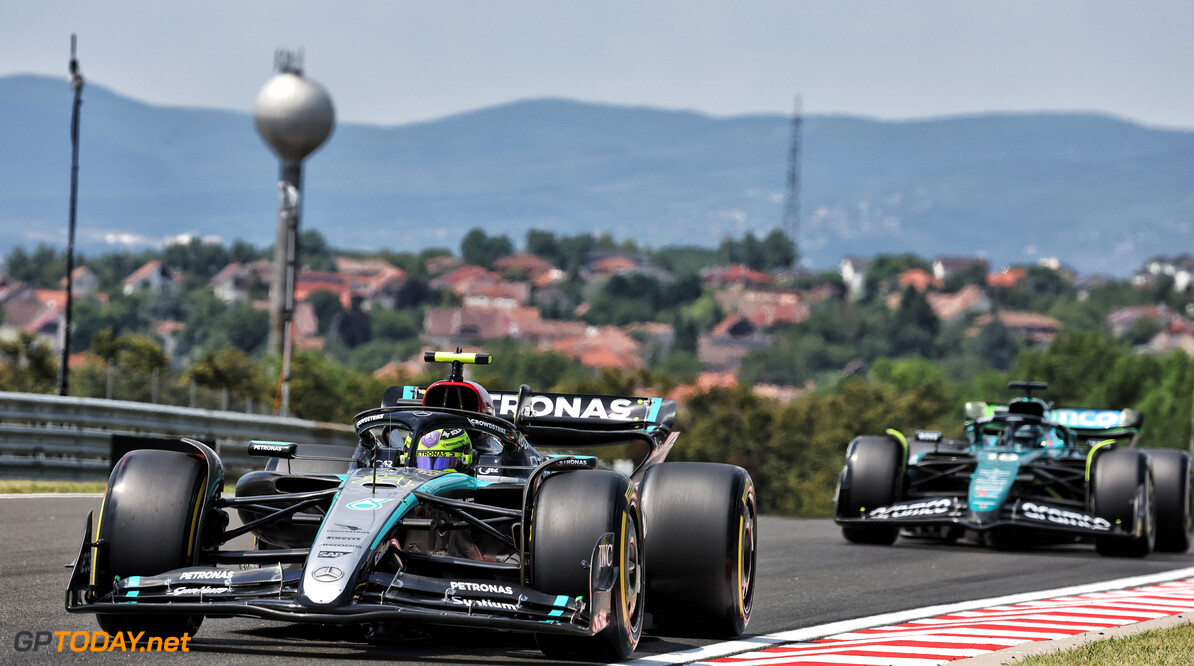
column 314, row 252
column 915, row 327
column 396, row 324
column 229, row 368
column 997, row 346
column 482, row 250
column 326, row 305
column 27, row 364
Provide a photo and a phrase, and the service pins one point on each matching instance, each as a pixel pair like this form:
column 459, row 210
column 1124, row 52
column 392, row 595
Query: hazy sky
column 390, row 62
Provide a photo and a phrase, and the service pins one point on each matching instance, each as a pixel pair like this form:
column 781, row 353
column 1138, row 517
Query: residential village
column 509, row 299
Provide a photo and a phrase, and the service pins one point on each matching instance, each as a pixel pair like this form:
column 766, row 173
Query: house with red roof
column 735, row 274
column 152, row 278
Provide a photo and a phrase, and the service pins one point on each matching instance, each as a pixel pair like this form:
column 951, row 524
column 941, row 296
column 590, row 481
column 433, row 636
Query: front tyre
column 147, row 526
column 1122, row 493
column 572, row 511
column 702, row 540
column 869, row 480
column 1171, row 477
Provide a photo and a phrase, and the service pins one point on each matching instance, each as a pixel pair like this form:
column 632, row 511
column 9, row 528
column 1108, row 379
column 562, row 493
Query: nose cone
column 294, row 115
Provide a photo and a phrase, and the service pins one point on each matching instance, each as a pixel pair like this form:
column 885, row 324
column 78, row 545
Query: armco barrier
column 45, row 436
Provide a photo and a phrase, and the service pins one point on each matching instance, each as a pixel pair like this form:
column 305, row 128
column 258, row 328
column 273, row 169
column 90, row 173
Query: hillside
column 1100, row 193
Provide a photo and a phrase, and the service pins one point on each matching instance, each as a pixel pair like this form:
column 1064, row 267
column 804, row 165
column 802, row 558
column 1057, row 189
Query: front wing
column 271, row 592
column 1016, row 514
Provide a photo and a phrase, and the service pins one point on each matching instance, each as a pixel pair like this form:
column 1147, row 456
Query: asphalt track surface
column 808, row 576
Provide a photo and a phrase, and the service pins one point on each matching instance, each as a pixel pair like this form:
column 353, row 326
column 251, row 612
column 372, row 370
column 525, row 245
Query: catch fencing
column 49, row 437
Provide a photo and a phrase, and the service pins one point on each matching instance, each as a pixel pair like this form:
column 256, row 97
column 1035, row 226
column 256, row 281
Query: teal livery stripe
column 450, row 481
column 653, row 414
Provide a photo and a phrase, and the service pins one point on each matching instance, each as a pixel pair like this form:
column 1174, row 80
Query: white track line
column 846, row 626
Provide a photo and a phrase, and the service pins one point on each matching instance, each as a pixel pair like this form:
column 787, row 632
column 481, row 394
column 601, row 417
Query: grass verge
column 26, row 486
column 1159, row 647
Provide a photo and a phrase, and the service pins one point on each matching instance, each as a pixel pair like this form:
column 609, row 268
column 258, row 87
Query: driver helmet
column 445, row 449
column 1029, row 436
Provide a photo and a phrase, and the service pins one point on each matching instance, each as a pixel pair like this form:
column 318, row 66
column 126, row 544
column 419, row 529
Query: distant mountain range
column 1099, row 193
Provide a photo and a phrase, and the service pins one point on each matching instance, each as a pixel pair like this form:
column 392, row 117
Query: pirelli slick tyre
column 701, row 544
column 1171, row 480
column 870, row 479
column 147, row 525
column 1122, row 493
column 571, row 513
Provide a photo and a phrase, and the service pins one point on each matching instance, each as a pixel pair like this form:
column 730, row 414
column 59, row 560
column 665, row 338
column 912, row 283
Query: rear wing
column 1097, row 419
column 605, row 413
column 1094, row 425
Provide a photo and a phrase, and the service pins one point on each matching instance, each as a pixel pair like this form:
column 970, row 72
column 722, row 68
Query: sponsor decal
column 421, row 413
column 205, row 575
column 486, row 425
column 271, row 448
column 605, row 555
column 341, row 538
column 1101, row 419
column 484, row 603
column 488, row 471
column 350, row 528
column 1034, row 511
column 580, row 463
column 205, row 589
column 934, row 507
column 928, row 436
column 370, row 419
column 331, row 554
column 327, row 574
column 489, row 588
column 369, row 504
column 571, row 406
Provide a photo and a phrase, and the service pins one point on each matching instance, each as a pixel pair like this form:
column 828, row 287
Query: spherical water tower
column 294, row 117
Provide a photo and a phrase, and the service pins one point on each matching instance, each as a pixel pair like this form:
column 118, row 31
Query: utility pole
column 76, row 82
column 294, row 116
column 792, row 201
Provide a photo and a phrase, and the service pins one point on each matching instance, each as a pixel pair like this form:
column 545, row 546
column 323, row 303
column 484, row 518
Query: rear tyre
column 1171, row 479
column 870, row 479
column 147, row 525
column 573, row 510
column 701, row 548
column 1122, row 493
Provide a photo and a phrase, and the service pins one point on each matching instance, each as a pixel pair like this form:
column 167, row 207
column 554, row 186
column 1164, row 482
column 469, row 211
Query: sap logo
column 331, row 554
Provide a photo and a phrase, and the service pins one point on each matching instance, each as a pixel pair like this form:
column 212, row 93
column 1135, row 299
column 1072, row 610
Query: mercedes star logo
column 327, row 574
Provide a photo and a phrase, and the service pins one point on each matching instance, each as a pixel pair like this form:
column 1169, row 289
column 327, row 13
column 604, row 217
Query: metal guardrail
column 46, row 436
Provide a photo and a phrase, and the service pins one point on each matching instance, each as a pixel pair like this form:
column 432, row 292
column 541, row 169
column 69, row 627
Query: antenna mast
column 792, row 202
